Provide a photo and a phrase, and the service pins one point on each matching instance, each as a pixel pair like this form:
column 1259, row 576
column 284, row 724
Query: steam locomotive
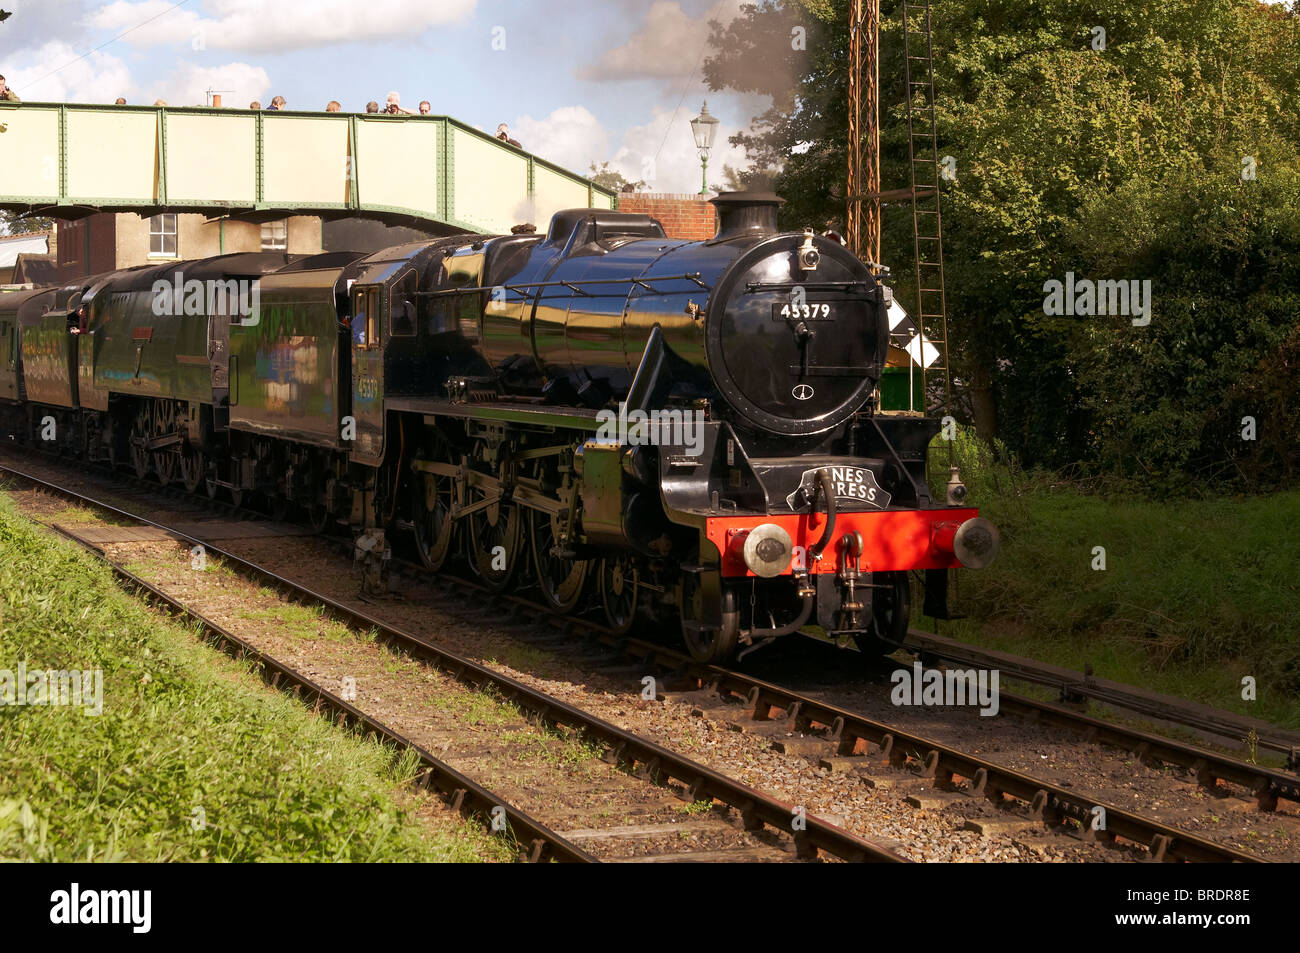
column 682, row 430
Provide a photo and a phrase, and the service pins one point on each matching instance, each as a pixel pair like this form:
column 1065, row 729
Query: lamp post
column 704, row 127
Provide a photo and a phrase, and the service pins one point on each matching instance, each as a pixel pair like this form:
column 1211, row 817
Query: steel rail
column 640, row 756
column 853, row 733
column 1266, row 785
column 1079, row 684
column 459, row 792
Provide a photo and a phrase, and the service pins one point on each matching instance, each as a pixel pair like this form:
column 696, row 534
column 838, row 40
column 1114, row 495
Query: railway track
column 847, row 741
column 843, row 740
column 1073, row 685
column 793, row 834
column 846, row 737
column 1211, row 769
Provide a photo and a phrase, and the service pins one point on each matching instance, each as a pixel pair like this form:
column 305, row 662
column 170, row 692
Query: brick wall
column 682, row 215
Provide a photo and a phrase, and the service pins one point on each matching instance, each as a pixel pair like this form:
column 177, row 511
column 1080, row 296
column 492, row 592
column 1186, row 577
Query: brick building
column 109, row 240
column 682, row 215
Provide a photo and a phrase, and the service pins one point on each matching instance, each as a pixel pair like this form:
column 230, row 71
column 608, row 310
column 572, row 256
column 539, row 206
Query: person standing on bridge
column 395, row 106
column 7, row 94
column 503, row 133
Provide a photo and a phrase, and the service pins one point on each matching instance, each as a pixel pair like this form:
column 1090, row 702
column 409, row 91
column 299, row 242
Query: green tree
column 1119, row 160
column 746, row 180
column 613, row 180
column 12, row 224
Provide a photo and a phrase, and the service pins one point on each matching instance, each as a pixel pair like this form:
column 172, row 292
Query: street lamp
column 704, row 127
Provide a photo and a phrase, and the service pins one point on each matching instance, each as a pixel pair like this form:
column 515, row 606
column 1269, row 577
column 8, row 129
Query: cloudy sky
column 578, row 81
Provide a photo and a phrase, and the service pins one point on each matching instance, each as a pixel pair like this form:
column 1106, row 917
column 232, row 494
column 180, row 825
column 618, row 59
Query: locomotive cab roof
column 573, row 227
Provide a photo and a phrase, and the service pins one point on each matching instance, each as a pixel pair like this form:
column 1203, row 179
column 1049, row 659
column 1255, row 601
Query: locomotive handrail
column 574, row 285
column 754, row 286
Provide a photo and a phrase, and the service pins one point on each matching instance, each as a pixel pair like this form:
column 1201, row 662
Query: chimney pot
column 746, row 214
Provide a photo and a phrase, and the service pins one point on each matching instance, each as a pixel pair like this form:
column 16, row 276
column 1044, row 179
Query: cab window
column 401, row 306
column 365, row 318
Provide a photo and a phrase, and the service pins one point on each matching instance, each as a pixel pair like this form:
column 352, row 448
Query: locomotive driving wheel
column 141, row 428
column 496, row 537
column 619, row 581
column 432, row 498
column 193, row 467
column 166, row 461
column 561, row 576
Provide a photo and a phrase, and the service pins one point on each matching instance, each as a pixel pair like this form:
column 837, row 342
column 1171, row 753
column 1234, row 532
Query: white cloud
column 668, row 42
column 97, row 78
column 102, row 77
column 570, row 137
column 258, row 26
column 238, row 84
column 574, row 138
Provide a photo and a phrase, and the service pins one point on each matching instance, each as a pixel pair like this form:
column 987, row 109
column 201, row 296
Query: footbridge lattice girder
column 68, row 160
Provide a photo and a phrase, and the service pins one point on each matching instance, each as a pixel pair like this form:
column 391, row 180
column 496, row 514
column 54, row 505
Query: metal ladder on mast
column 927, row 211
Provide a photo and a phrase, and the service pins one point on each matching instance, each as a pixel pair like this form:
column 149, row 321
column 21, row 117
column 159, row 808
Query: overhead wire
column 104, row 44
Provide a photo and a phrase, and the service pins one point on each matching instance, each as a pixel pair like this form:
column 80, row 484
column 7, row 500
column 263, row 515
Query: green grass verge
column 1195, row 595
column 192, row 757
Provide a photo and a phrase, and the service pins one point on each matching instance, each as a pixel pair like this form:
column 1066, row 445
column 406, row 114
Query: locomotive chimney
column 746, row 214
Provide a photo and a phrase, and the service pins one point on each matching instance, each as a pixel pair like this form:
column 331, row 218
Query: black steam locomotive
column 675, row 429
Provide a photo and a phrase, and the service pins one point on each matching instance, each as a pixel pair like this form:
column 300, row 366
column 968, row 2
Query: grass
column 192, row 757
column 83, row 514
column 471, row 706
column 1195, row 596
column 306, row 622
column 549, row 748
column 695, row 807
column 522, row 658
